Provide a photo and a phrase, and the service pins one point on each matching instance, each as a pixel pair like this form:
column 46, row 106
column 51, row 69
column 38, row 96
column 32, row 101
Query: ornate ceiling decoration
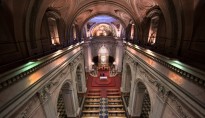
column 83, row 10
column 142, row 6
column 65, row 7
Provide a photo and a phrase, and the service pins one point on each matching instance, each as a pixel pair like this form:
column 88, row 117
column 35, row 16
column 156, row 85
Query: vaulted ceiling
column 82, row 10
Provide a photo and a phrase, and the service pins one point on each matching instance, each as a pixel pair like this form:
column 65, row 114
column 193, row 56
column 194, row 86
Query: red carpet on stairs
column 95, row 84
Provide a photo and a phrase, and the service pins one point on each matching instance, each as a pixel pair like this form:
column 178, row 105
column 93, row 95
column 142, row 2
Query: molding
column 165, row 87
column 194, row 75
column 42, row 87
column 175, row 104
column 15, row 75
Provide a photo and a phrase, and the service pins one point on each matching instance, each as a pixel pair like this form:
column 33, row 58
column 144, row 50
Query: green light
column 30, row 65
column 177, row 64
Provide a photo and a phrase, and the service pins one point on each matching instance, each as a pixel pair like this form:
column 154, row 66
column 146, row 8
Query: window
column 132, row 31
column 53, row 31
column 74, row 32
column 153, row 30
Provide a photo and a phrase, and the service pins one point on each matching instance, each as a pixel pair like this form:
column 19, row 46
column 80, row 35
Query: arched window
column 153, row 30
column 74, row 32
column 154, row 16
column 53, row 29
column 132, row 31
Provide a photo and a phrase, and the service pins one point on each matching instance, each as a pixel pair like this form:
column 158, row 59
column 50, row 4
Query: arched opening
column 103, row 25
column 53, row 30
column 65, row 103
column 156, row 31
column 103, row 56
column 141, row 104
column 153, row 30
column 50, row 31
column 127, row 84
column 74, row 32
column 75, row 36
column 132, row 31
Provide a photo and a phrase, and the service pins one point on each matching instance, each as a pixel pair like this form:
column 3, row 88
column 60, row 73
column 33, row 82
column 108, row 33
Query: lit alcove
column 153, row 30
column 103, row 56
column 53, row 31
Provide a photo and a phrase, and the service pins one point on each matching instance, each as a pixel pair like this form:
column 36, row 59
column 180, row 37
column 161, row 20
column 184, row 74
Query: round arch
column 127, row 78
column 93, row 3
column 103, row 13
column 65, row 100
column 123, row 24
column 140, row 104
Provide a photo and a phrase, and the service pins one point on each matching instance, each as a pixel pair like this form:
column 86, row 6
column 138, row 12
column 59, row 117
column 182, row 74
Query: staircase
column 96, row 106
column 115, row 104
column 91, row 106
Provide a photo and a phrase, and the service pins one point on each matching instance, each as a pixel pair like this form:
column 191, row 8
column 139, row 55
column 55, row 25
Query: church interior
column 102, row 59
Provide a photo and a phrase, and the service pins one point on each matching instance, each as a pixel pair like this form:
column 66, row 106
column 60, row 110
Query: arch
column 154, row 17
column 93, row 3
column 141, row 102
column 65, row 101
column 107, row 14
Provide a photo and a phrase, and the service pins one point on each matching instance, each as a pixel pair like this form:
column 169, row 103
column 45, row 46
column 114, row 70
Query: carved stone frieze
column 46, row 91
column 175, row 103
column 71, row 64
column 163, row 92
column 28, row 108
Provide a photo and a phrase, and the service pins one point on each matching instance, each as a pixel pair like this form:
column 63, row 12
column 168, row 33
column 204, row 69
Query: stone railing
column 181, row 79
column 23, row 82
column 12, row 76
column 193, row 74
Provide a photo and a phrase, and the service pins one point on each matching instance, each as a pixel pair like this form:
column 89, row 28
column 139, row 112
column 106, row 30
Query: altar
column 103, row 77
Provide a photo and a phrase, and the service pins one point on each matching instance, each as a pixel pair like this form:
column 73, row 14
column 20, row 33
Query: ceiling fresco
column 103, row 30
column 82, row 10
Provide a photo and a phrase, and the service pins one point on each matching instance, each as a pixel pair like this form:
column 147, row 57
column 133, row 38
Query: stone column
column 84, row 87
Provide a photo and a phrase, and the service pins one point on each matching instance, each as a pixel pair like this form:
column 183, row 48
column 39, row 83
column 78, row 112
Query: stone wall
column 44, row 102
column 165, row 103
